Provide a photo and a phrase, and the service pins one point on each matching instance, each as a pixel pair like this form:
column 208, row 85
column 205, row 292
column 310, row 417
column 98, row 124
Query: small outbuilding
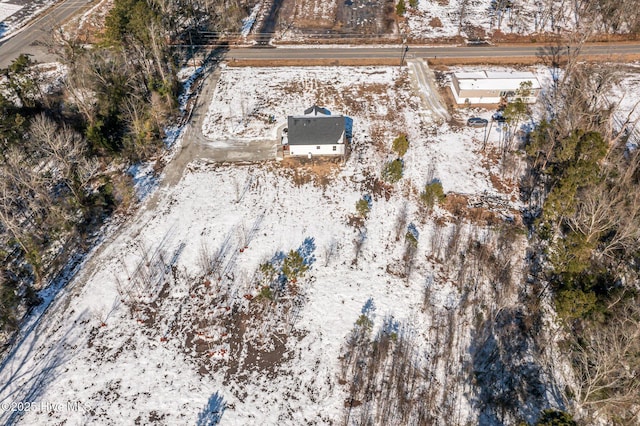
column 491, row 87
column 316, row 132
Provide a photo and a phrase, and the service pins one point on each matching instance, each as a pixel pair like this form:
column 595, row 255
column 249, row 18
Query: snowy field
column 628, row 104
column 15, row 14
column 7, row 9
column 149, row 336
column 168, row 326
column 437, row 20
column 381, row 102
column 474, row 20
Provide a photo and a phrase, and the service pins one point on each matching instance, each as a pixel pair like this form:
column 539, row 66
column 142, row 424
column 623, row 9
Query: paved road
column 33, row 38
column 314, row 52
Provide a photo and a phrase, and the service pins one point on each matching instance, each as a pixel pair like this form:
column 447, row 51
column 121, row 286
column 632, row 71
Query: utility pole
column 405, row 49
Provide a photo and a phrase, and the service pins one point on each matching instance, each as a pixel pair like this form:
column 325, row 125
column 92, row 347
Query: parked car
column 477, row 122
column 498, row 117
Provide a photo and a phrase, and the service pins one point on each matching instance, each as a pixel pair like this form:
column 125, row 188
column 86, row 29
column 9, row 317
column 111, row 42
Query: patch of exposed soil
column 339, row 19
column 319, row 169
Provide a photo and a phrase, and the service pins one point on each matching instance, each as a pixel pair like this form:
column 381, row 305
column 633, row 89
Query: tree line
column 583, row 190
column 64, row 151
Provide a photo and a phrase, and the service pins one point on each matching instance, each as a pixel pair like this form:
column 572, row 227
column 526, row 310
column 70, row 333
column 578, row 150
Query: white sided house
column 490, row 87
column 317, row 132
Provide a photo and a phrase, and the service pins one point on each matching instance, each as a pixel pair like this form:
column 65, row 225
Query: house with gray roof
column 316, row 132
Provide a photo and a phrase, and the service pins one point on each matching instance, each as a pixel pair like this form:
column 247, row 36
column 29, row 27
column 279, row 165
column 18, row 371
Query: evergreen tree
column 401, row 145
column 392, row 171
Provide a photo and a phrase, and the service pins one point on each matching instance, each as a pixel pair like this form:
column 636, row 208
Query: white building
column 317, row 132
column 490, row 87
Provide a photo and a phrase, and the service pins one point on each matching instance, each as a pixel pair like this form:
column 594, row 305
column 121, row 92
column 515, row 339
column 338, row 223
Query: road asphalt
column 34, row 39
column 391, row 52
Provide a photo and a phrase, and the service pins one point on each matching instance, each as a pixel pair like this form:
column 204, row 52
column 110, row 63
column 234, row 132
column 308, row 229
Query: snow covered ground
column 434, row 19
column 7, row 9
column 15, row 14
column 438, row 20
column 624, row 95
column 166, row 325
column 252, row 103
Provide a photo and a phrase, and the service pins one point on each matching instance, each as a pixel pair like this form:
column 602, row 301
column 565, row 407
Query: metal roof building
column 490, row 87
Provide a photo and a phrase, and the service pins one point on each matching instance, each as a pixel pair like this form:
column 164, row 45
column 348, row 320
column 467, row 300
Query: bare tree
column 401, row 222
column 606, row 362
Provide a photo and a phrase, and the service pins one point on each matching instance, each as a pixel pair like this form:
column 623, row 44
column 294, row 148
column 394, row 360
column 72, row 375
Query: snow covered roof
column 494, row 80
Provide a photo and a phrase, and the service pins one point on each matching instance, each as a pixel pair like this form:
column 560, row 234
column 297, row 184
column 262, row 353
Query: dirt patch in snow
column 302, row 170
column 87, row 27
column 337, row 20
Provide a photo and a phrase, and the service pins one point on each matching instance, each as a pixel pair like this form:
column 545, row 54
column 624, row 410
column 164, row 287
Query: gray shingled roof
column 316, row 110
column 315, row 130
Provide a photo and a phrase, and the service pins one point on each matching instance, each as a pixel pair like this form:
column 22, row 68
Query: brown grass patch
column 491, row 157
column 437, row 40
column 546, row 38
column 435, row 23
column 481, row 216
column 447, row 97
column 501, row 185
column 475, row 32
column 319, row 170
column 458, row 205
column 355, row 221
column 363, row 98
column 379, row 134
column 315, row 23
column 486, row 60
column 373, row 185
column 526, row 60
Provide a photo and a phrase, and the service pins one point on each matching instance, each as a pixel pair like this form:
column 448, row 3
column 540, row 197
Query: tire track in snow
column 423, row 78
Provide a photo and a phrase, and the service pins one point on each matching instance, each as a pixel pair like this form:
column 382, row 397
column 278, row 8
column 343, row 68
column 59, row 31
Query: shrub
column 392, row 171
column 413, row 3
column 364, row 322
column 551, row 417
column 411, row 239
column 400, row 8
column 432, row 194
column 362, row 207
column 269, row 272
column 401, row 145
column 412, row 235
column 293, row 266
column 575, row 303
column 265, row 293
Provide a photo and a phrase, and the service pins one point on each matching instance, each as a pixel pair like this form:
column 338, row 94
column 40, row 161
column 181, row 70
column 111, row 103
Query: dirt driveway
column 423, row 82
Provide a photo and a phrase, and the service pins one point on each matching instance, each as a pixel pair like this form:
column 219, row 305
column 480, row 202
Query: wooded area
column 583, row 190
column 64, row 152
